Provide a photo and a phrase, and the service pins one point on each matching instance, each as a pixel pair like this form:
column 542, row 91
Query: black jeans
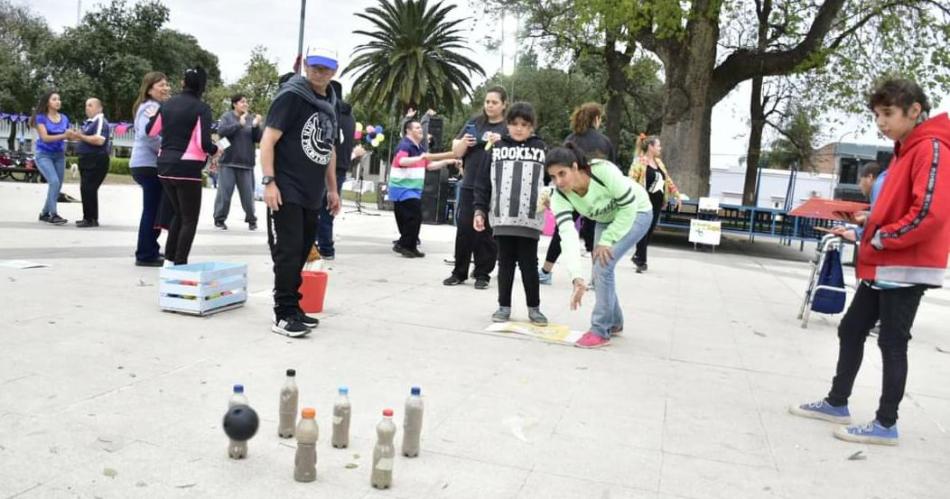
column 185, row 198
column 896, row 309
column 409, row 222
column 524, row 252
column 469, row 242
column 92, row 171
column 291, row 232
column 640, row 256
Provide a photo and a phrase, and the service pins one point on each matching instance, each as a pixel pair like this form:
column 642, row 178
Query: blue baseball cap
column 322, row 53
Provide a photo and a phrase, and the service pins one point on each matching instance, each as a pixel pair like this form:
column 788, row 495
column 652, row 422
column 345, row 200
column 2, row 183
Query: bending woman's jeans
column 607, row 313
column 53, row 167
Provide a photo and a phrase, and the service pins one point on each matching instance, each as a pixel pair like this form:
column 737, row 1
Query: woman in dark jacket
column 184, row 122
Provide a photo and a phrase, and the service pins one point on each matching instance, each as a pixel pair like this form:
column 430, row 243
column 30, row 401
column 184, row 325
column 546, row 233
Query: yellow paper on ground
column 557, row 333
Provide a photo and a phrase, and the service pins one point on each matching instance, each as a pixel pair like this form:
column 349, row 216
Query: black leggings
column 524, row 252
column 640, row 255
column 896, row 309
column 185, row 198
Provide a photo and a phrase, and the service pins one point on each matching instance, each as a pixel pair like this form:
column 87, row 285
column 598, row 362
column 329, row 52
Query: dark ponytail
column 196, row 79
column 567, row 155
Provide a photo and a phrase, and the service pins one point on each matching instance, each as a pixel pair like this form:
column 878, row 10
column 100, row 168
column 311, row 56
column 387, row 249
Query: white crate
column 202, row 288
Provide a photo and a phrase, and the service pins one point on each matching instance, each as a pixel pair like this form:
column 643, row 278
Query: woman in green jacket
column 622, row 210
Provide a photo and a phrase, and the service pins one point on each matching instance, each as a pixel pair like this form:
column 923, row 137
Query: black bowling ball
column 240, row 423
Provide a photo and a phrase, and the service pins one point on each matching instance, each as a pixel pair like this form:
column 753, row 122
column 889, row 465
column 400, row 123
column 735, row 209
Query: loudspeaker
column 436, row 127
column 435, row 194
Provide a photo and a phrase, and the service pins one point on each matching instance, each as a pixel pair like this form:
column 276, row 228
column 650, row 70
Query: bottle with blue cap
column 412, row 424
column 341, row 419
column 238, row 449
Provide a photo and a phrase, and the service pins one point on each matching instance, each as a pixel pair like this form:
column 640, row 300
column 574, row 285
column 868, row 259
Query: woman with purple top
column 53, row 130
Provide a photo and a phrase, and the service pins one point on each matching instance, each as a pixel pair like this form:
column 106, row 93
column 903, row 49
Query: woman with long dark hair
column 649, row 171
column 184, row 122
column 53, row 130
column 144, row 166
column 622, row 211
column 473, row 144
column 585, row 134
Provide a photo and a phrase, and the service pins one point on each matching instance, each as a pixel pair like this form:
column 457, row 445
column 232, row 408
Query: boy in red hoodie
column 903, row 251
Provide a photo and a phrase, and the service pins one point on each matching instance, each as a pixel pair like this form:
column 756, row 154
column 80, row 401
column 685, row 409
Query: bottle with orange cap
column 384, row 453
column 305, row 461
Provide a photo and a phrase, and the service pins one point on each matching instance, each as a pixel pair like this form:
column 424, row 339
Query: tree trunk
column 687, row 110
column 757, row 112
column 616, row 63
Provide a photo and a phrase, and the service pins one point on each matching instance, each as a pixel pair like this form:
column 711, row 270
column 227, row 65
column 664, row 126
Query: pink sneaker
column 591, row 340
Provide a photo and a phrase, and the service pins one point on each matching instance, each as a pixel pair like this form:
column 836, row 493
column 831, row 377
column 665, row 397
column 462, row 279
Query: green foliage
column 413, row 58
column 117, row 166
column 107, row 55
column 23, row 39
column 258, row 84
column 797, row 142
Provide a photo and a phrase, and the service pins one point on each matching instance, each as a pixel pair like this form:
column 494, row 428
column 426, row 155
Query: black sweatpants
column 185, row 198
column 291, row 232
column 640, row 255
column 469, row 242
column 522, row 251
column 92, row 171
column 896, row 309
column 409, row 222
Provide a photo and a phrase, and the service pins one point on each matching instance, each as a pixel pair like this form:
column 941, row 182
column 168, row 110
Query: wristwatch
column 266, row 180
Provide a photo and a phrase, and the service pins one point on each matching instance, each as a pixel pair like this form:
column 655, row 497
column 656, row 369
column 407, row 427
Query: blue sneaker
column 870, row 433
column 822, row 410
column 545, row 277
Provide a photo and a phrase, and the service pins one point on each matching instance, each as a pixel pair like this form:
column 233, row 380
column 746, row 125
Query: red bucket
column 314, row 289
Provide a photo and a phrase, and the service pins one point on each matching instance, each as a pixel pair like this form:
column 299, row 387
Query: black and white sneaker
column 291, row 327
column 221, row 225
column 306, row 320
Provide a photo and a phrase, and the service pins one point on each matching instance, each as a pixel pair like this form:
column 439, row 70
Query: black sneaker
column 44, row 217
column 157, row 262
column 453, row 280
column 641, row 268
column 221, row 225
column 481, row 283
column 83, row 224
column 252, row 226
column 310, row 322
column 291, row 327
column 57, row 220
column 415, row 253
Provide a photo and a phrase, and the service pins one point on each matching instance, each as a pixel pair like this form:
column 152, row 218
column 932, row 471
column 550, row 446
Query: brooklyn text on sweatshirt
column 508, row 189
column 612, row 199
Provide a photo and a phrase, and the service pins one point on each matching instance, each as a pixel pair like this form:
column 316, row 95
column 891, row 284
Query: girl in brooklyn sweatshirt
column 506, row 194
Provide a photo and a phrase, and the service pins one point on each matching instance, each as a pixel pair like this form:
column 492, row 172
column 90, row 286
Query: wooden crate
column 202, row 288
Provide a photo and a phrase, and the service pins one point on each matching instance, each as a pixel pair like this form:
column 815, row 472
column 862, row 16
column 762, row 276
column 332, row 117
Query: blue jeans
column 147, row 247
column 325, row 223
column 53, row 167
column 607, row 313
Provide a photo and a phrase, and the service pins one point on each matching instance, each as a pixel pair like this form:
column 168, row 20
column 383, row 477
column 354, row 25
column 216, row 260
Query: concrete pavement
column 104, row 395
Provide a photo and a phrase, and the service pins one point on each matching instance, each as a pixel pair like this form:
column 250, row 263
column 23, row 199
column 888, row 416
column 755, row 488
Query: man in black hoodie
column 344, row 152
column 298, row 162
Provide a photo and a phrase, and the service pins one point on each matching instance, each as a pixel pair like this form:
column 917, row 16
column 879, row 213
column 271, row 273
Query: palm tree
column 412, row 58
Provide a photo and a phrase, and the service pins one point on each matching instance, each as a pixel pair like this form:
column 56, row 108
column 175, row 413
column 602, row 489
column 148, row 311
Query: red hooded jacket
column 907, row 234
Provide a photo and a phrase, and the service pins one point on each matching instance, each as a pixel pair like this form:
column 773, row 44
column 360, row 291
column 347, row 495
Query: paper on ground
column 21, row 264
column 557, row 333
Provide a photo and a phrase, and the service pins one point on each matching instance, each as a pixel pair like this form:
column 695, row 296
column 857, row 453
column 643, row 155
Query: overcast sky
column 231, row 28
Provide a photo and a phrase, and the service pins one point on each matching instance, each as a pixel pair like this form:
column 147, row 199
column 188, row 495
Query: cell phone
column 471, row 130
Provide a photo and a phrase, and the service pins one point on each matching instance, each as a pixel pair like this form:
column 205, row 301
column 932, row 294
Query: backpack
column 830, row 294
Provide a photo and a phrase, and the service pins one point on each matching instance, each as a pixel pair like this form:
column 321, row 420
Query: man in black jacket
column 298, row 160
column 344, row 152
